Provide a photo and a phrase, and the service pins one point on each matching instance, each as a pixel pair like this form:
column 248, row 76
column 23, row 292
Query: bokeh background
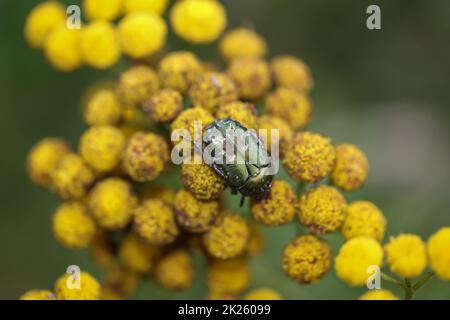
column 386, row 91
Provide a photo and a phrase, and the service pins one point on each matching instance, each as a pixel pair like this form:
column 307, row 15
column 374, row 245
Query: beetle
column 247, row 168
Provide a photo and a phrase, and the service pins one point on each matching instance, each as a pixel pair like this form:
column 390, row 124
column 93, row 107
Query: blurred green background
column 386, row 91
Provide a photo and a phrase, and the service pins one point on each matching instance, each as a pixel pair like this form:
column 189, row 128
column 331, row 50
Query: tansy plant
column 136, row 228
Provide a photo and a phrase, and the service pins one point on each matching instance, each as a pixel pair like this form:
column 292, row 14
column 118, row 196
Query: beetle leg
column 242, row 200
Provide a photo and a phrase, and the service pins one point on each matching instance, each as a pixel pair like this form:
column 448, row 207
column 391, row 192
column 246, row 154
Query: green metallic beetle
column 238, row 156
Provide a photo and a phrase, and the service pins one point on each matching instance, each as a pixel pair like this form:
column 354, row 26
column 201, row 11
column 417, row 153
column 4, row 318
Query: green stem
column 300, row 188
column 409, row 291
column 423, row 281
column 392, row 280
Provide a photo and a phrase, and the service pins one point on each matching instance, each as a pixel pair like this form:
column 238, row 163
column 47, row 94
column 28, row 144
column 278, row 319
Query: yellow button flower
column 291, row 72
column 137, row 85
column 156, row 191
column 354, row 257
column 202, row 181
column 99, row 43
column 138, row 255
column 242, row 42
column 38, row 295
column 439, row 254
column 188, row 119
column 228, row 276
column 42, row 20
column 322, row 209
column 364, row 219
column 102, row 108
column 43, row 159
column 175, row 271
column 198, row 21
column 195, row 215
column 72, row 177
column 228, row 237
column 145, row 156
column 165, row 105
column 263, row 294
column 285, row 132
column 406, row 255
column 351, row 168
column 307, row 259
column 310, row 157
column 73, row 226
column 154, row 221
column 111, row 202
column 142, row 34
column 242, row 112
column 89, row 288
column 149, row 6
column 279, row 208
column 293, row 107
column 379, row 294
column 102, row 9
column 212, row 90
column 62, row 48
column 252, row 77
column 102, row 146
column 178, row 70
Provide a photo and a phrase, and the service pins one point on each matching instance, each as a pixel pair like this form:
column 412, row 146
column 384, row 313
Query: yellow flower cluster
column 121, row 199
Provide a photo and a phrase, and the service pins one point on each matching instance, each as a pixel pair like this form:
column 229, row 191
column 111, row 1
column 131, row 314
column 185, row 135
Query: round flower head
column 149, row 6
column 42, row 20
column 198, row 21
column 406, row 255
column 219, row 295
column 188, row 119
column 379, row 294
column 307, row 259
column 242, row 112
column 142, row 34
column 73, row 226
column 102, row 9
column 201, row 180
column 279, row 208
column 194, row 215
column 322, row 209
column 145, row 156
column 62, row 48
column 439, row 254
column 177, row 70
column 252, row 77
column 310, row 157
column 101, row 147
column 137, row 85
column 38, row 295
column 364, row 219
column 228, row 237
column 293, row 107
column 138, row 255
column 293, row 73
column 155, row 191
column 72, row 177
column 355, row 256
column 102, row 108
column 256, row 241
column 66, row 287
column 154, row 221
column 175, row 271
column 285, row 132
column 242, row 42
column 263, row 294
column 111, row 202
column 351, row 168
column 99, row 44
column 212, row 90
column 228, row 276
column 164, row 106
column 43, row 159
